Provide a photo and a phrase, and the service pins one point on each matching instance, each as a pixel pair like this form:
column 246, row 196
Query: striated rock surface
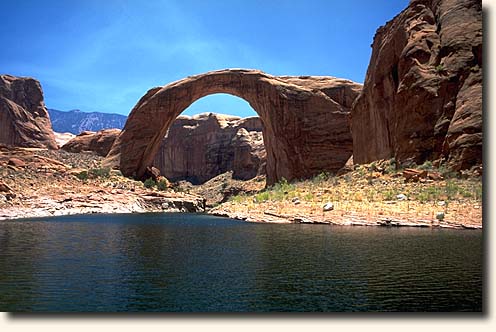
column 422, row 96
column 99, row 142
column 201, row 147
column 24, row 120
column 306, row 120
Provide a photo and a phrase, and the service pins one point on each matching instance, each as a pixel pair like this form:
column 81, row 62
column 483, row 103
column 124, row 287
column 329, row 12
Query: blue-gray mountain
column 76, row 121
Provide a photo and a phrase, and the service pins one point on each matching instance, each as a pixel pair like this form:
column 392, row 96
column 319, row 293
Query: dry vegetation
column 369, row 193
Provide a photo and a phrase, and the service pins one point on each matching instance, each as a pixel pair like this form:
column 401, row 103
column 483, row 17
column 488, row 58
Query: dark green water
column 188, row 262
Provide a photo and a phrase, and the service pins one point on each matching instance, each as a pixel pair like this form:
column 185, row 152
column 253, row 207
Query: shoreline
column 267, row 217
column 348, row 220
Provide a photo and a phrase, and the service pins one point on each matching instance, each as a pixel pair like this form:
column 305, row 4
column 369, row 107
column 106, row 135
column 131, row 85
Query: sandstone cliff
column 422, row 96
column 99, row 142
column 24, row 120
column 201, row 147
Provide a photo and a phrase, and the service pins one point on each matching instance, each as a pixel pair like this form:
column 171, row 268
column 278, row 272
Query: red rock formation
column 24, row 120
column 199, row 148
column 99, row 142
column 422, row 96
column 306, row 120
column 63, row 138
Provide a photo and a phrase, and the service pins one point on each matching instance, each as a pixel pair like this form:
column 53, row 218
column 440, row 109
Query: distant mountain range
column 76, row 121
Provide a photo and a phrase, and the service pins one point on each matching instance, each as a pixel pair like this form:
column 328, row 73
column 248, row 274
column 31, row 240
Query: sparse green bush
column 451, row 189
column 83, row 175
column 162, row 184
column 478, row 191
column 439, row 68
column 390, row 166
column 149, row 183
column 237, row 198
column 389, row 195
column 427, row 166
column 103, row 172
column 281, row 190
column 308, row 196
column 324, row 176
column 262, row 197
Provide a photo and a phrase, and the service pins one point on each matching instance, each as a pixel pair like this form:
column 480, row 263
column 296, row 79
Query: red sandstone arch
column 306, row 120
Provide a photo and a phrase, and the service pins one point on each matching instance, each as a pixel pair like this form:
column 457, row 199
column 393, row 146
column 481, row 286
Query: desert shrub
column 149, row 183
column 162, row 184
column 427, row 166
column 389, row 195
column 451, row 189
column 100, row 172
column 237, row 198
column 281, row 190
column 324, row 176
column 308, row 196
column 83, row 175
column 439, row 68
column 262, row 197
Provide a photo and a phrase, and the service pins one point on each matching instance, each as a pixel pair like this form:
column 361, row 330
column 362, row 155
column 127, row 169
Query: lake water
column 194, row 262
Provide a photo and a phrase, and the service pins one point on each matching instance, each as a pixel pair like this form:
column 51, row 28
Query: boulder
column 99, row 142
column 422, row 95
column 24, row 120
column 16, row 162
column 198, row 148
column 4, row 187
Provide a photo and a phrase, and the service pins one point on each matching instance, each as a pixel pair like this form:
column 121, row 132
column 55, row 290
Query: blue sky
column 104, row 55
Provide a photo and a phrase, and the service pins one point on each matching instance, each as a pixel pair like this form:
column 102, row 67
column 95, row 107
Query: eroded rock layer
column 422, row 96
column 99, row 142
column 201, row 147
column 24, row 120
column 306, row 128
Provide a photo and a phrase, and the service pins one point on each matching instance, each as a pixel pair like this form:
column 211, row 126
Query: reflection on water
column 188, row 262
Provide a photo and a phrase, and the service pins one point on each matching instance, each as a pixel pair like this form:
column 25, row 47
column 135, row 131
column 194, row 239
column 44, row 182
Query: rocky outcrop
column 24, row 120
column 99, row 142
column 201, row 147
column 422, row 96
column 63, row 138
column 306, row 120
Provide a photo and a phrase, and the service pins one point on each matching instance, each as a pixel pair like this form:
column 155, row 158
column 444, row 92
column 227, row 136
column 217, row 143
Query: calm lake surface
column 194, row 262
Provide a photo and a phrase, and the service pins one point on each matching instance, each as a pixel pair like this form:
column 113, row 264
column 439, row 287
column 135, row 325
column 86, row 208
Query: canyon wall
column 422, row 95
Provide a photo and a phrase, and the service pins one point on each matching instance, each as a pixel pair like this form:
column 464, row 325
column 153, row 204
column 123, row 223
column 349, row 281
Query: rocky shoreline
column 78, row 204
column 346, row 220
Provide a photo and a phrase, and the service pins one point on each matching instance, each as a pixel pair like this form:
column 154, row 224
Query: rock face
column 306, row 127
column 99, row 142
column 24, row 120
column 422, row 96
column 201, row 147
column 63, row 138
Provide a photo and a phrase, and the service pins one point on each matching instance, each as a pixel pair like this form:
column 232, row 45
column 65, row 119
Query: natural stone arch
column 306, row 120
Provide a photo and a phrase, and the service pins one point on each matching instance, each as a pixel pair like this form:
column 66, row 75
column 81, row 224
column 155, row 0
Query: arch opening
column 216, row 134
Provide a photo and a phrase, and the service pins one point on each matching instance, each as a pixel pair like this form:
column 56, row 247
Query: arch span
column 306, row 120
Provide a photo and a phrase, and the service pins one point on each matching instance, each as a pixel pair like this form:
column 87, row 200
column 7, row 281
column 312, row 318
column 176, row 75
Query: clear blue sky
column 104, row 55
